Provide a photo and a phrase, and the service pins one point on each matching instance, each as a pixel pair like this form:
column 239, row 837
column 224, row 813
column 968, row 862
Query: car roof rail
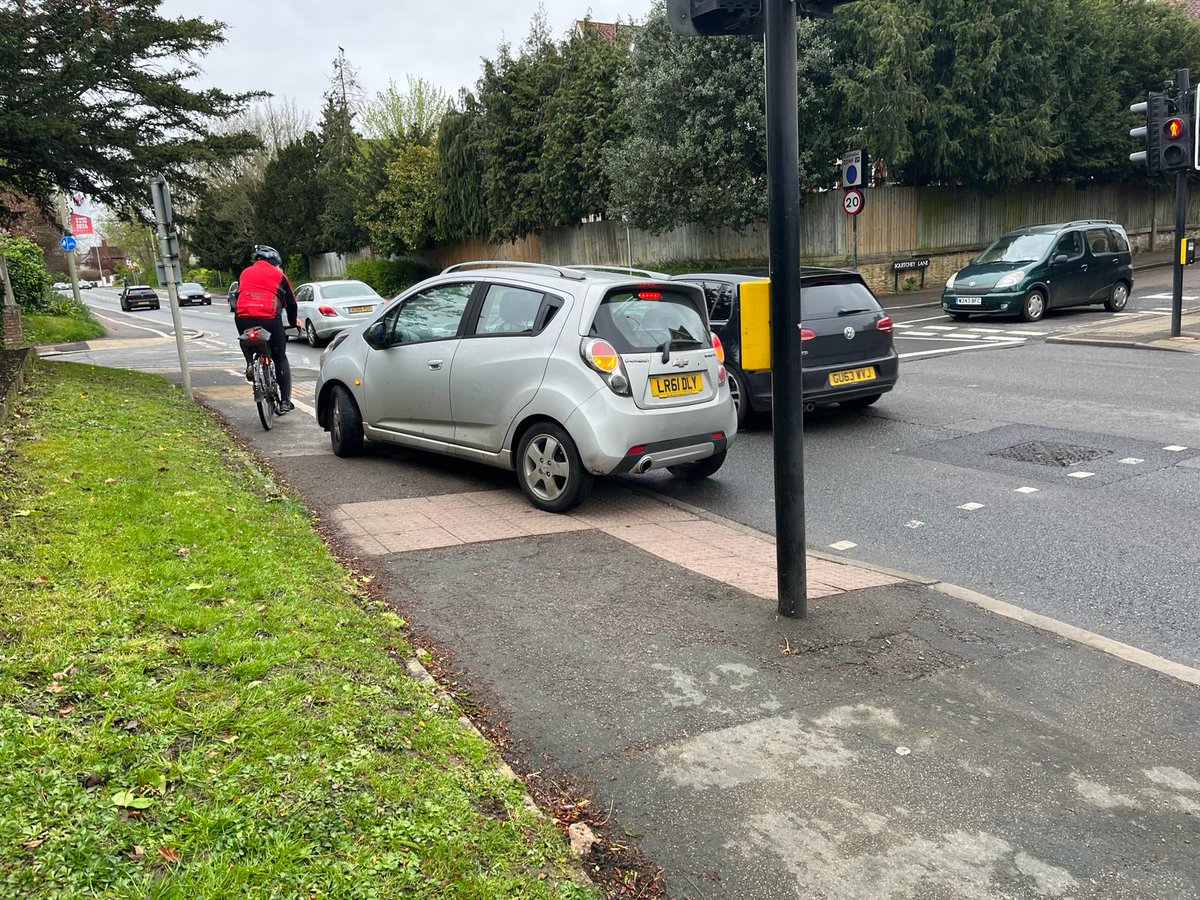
column 621, row 270
column 563, row 271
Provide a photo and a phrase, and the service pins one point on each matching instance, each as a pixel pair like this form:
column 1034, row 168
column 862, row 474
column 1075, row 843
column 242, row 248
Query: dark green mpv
column 1040, row 267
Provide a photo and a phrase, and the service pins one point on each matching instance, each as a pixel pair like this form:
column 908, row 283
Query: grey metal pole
column 70, row 254
column 855, row 218
column 629, row 248
column 1180, row 224
column 162, row 216
column 783, row 217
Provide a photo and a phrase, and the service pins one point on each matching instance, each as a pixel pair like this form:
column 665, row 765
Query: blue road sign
column 68, row 242
column 852, row 174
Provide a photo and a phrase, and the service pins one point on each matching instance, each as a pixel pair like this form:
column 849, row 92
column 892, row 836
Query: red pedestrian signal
column 1173, row 129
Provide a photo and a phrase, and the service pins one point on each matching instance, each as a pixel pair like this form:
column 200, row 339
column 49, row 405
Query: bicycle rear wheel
column 265, row 393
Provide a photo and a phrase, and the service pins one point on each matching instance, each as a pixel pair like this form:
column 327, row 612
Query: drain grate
column 1050, row 453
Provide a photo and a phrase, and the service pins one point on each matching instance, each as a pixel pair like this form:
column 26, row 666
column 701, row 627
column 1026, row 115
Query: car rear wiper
column 851, row 312
column 665, row 346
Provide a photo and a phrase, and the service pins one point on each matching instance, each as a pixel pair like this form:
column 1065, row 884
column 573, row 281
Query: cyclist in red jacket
column 264, row 292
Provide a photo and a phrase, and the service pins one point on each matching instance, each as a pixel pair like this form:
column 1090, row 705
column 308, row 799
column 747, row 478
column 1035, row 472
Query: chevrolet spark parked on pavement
column 848, row 352
column 326, row 307
column 1041, row 267
column 559, row 373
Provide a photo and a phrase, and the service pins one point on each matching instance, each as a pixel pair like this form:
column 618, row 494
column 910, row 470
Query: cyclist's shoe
column 250, row 373
column 285, row 407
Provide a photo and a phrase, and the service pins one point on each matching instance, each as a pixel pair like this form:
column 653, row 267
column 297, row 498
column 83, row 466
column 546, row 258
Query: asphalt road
column 898, row 485
column 1116, row 551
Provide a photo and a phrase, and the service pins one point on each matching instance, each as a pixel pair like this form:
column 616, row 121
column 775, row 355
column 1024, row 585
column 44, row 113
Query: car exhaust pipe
column 643, row 465
column 809, row 407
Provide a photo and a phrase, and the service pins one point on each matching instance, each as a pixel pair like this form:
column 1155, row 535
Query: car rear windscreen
column 352, row 289
column 823, row 300
column 643, row 319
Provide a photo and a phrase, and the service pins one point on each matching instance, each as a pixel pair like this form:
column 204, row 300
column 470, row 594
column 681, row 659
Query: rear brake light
column 327, row 310
column 718, row 435
column 602, row 357
column 719, row 347
column 884, row 324
column 722, row 375
column 649, row 295
column 807, row 334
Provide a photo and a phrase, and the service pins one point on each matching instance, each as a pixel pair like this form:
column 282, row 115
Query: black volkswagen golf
column 849, row 355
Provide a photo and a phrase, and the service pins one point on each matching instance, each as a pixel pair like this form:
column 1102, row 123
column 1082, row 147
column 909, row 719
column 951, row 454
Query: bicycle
column 266, row 387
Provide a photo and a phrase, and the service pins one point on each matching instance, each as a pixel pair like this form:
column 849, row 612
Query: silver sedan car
column 561, row 374
column 325, row 308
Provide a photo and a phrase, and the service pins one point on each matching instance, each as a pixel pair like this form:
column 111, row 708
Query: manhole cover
column 1050, row 453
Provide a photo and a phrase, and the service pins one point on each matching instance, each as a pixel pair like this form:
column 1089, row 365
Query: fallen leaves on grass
column 128, row 800
column 170, row 854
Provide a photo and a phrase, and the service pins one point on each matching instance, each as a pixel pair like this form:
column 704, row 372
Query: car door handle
column 435, row 364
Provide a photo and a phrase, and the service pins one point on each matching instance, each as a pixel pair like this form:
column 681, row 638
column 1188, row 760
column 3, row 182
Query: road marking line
column 1131, row 461
column 1025, row 333
column 1080, row 474
column 945, row 350
column 843, row 545
column 1175, row 448
column 909, row 334
column 913, row 523
column 943, row 327
column 1026, row 490
column 972, row 506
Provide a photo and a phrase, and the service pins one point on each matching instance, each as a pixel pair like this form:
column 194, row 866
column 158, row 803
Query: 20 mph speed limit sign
column 852, row 202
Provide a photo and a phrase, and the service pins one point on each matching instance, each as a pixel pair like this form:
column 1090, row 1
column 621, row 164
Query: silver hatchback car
column 560, row 373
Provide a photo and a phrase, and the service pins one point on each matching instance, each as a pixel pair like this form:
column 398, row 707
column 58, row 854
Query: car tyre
column 345, row 426
column 860, row 402
column 740, row 392
column 208, row 303
column 156, row 306
column 549, row 469
column 1119, row 297
column 701, row 468
column 958, row 316
column 310, row 334
column 1034, row 306
column 124, row 306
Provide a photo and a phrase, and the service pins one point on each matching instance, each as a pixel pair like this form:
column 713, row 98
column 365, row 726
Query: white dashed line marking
column 1080, row 474
column 942, row 327
column 1027, row 333
column 1131, row 461
column 1026, row 490
column 1175, row 448
column 972, row 506
column 913, row 523
column 843, row 545
column 919, row 334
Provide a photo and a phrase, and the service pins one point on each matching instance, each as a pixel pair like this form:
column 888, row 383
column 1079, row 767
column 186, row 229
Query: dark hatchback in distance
column 849, row 355
column 138, row 295
column 1041, row 267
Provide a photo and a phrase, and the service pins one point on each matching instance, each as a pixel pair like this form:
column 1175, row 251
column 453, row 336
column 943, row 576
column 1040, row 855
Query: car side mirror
column 376, row 335
column 1060, row 258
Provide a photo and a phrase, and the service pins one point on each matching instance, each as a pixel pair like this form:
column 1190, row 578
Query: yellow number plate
column 355, row 309
column 675, row 385
column 850, row 376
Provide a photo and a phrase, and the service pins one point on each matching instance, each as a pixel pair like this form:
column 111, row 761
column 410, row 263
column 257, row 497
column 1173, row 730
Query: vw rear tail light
column 807, row 334
column 602, row 357
column 884, row 324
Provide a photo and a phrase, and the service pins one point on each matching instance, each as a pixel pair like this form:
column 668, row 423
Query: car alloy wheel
column 1035, row 306
column 1120, row 296
column 310, row 334
column 547, row 469
column 550, row 470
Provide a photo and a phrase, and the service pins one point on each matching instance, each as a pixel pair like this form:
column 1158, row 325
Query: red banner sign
column 80, row 224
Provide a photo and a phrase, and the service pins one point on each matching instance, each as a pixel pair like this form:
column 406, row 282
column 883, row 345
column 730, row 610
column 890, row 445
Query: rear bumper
column 817, row 388
column 330, row 326
column 606, row 426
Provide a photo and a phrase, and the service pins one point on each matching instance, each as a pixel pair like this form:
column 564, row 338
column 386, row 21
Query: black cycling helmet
column 270, row 254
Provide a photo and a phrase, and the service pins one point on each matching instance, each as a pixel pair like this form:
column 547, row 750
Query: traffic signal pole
column 1181, row 196
column 783, row 218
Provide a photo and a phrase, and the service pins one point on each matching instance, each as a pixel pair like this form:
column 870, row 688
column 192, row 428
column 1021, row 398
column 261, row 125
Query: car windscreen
column 191, row 287
column 350, row 289
column 643, row 319
column 1017, row 248
column 827, row 299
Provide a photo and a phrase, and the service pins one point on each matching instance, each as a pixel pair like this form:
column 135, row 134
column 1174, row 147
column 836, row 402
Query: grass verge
column 197, row 700
column 65, row 322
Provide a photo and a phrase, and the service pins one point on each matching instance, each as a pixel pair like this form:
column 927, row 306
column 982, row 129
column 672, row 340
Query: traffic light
column 1155, row 110
column 716, row 17
column 1178, row 149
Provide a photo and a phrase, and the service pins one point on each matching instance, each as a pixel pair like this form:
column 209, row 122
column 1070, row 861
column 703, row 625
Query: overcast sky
column 287, row 47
